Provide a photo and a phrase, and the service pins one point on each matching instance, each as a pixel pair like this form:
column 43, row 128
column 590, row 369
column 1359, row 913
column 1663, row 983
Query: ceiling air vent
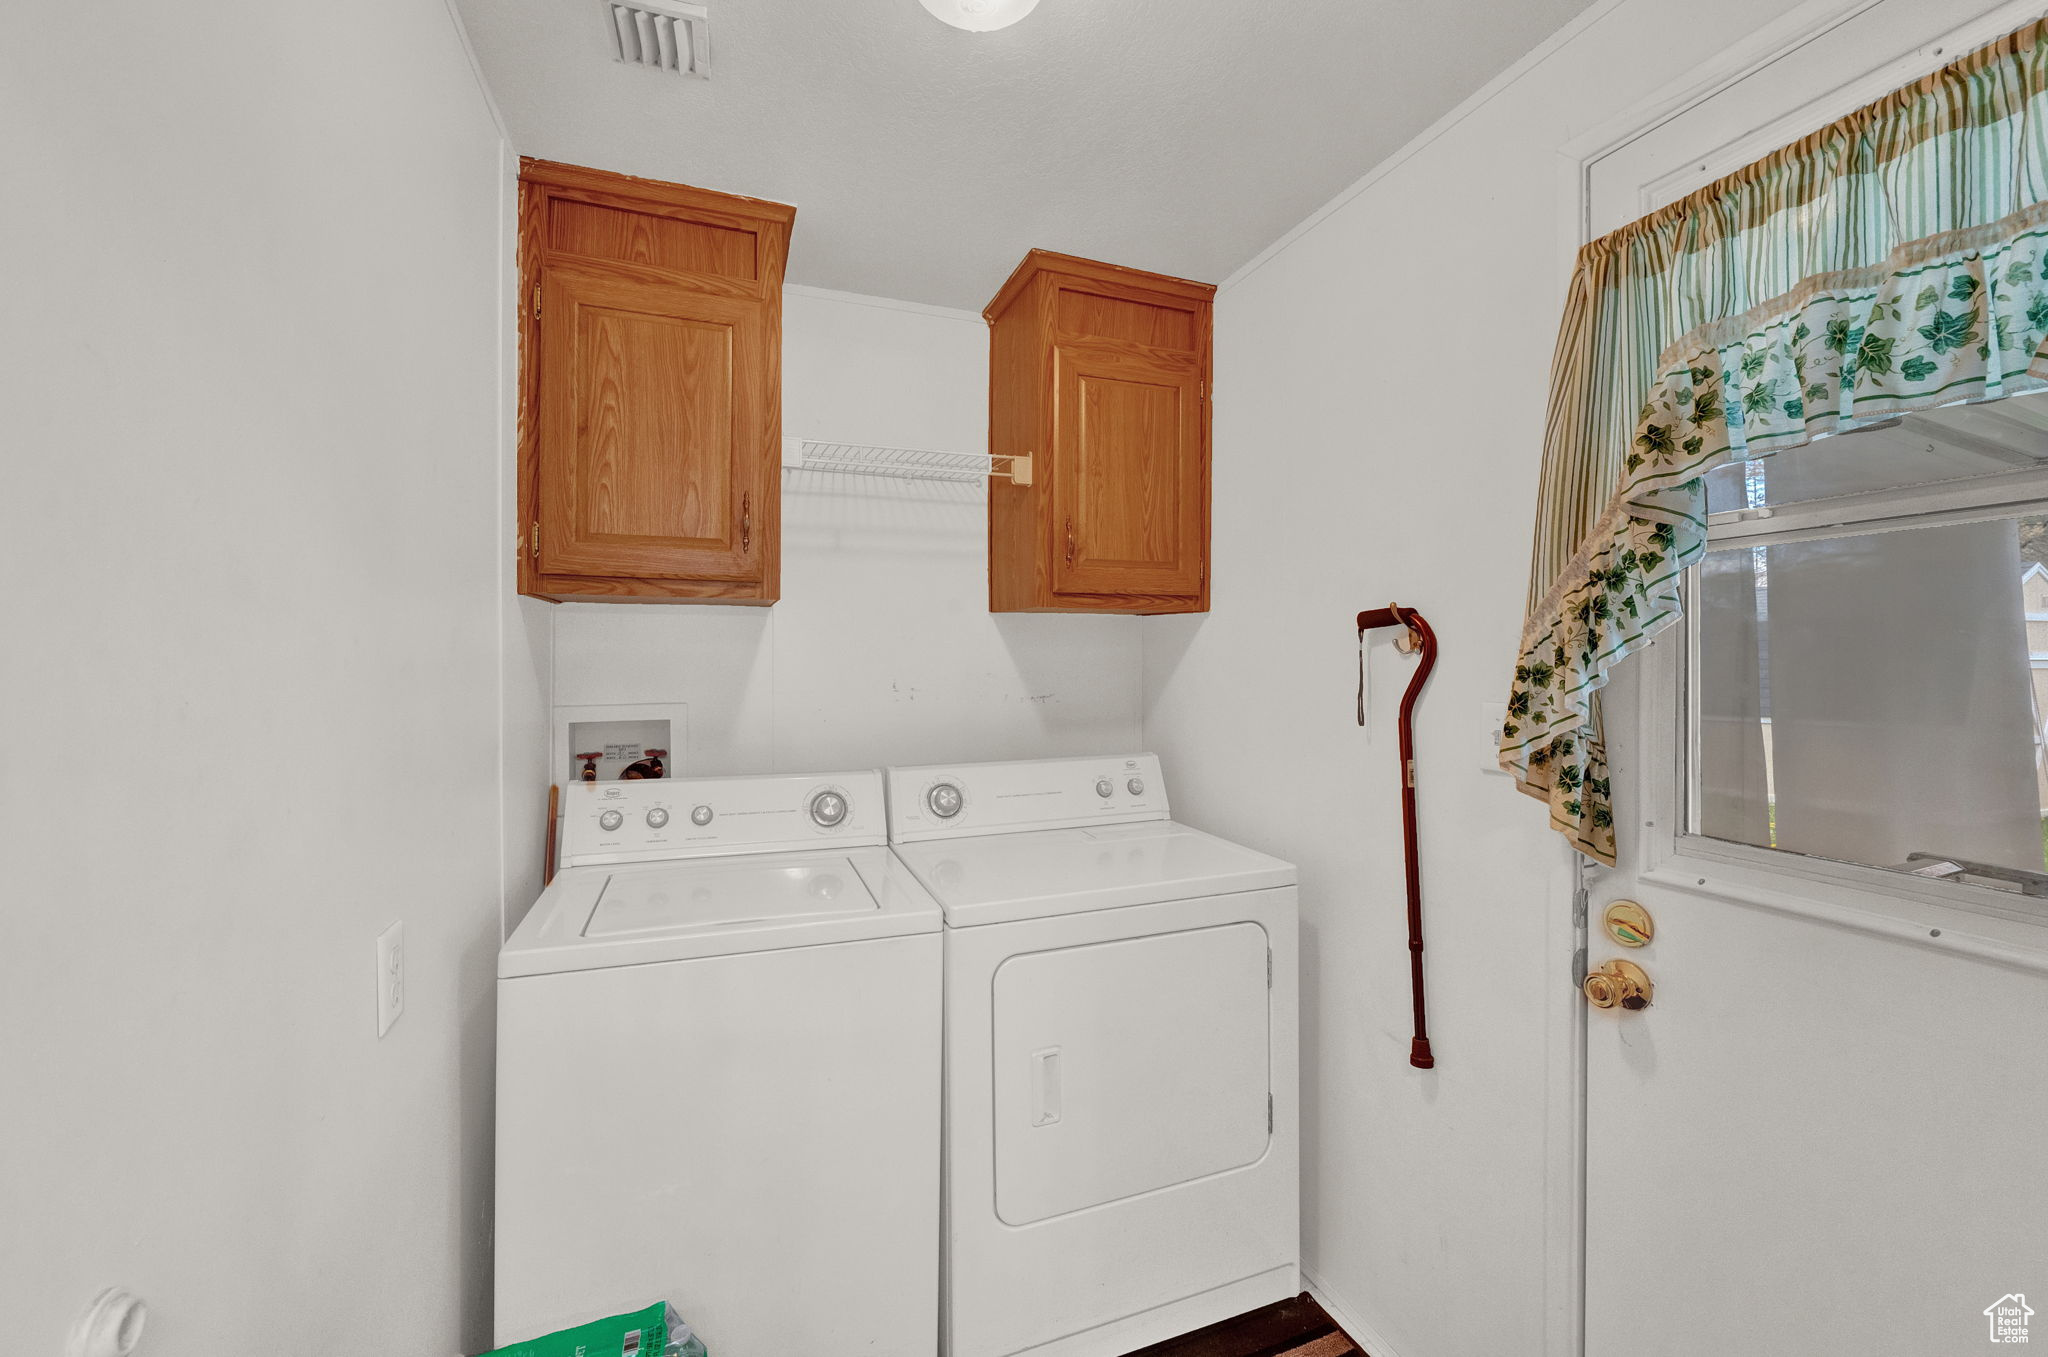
column 668, row 35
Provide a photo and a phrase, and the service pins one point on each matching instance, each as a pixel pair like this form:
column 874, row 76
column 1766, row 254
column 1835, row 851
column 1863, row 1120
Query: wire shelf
column 907, row 464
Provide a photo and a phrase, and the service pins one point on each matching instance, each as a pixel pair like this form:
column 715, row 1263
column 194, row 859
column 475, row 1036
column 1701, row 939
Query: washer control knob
column 610, row 821
column 1136, row 786
column 828, row 809
column 1104, row 788
column 656, row 817
column 701, row 816
column 945, row 800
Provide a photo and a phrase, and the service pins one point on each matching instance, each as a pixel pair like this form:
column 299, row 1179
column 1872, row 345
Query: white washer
column 718, row 1072
column 1121, row 1150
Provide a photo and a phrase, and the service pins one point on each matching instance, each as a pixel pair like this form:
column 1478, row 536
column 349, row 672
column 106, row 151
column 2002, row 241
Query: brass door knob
column 1618, row 984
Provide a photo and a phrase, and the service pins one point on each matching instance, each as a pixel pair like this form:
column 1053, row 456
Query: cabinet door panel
column 1129, row 454
column 650, row 399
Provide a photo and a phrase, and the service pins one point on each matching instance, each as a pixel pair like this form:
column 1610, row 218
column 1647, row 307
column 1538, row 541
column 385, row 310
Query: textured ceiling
column 1176, row 135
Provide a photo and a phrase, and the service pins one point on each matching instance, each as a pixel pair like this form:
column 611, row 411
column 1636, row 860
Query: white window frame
column 1652, row 770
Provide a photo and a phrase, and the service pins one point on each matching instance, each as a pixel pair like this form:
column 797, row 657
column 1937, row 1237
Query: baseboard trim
column 1347, row 1318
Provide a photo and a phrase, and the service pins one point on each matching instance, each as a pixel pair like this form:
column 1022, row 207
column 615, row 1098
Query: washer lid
column 731, row 892
column 599, row 916
column 997, row 878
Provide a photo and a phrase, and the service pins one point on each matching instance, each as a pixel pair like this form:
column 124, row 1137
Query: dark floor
column 1288, row 1328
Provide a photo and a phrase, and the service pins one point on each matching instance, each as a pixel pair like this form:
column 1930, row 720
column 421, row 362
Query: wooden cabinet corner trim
column 1163, row 287
column 604, row 184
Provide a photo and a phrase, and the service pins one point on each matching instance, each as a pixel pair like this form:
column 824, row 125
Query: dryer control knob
column 610, row 821
column 701, row 816
column 944, row 800
column 1136, row 786
column 1104, row 788
column 656, row 817
column 828, row 809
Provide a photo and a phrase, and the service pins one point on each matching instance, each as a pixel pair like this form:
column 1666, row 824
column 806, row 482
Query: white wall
column 1379, row 410
column 527, row 628
column 882, row 649
column 255, row 650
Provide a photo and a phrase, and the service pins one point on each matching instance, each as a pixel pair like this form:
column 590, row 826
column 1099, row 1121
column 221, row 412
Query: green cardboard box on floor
column 657, row 1331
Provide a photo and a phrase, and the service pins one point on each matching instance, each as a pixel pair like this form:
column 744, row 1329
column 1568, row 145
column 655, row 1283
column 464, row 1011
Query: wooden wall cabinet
column 1101, row 375
column 650, row 389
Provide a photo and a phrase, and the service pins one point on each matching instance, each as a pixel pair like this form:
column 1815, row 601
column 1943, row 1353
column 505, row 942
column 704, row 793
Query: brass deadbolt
column 1618, row 984
column 1628, row 923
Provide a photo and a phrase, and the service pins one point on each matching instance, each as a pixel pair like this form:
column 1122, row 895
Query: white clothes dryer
column 1121, row 1145
column 718, row 1072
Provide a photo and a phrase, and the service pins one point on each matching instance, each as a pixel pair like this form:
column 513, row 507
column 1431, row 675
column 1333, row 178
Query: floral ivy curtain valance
column 1890, row 262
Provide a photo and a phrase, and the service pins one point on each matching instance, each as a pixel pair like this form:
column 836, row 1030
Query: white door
column 1828, row 1133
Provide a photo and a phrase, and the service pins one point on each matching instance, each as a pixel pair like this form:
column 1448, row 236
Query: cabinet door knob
column 1070, row 539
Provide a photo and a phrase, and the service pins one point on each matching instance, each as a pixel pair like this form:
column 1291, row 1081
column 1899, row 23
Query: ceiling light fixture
column 979, row 16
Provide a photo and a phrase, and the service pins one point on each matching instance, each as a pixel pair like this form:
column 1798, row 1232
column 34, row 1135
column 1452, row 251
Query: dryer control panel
column 946, row 800
column 660, row 818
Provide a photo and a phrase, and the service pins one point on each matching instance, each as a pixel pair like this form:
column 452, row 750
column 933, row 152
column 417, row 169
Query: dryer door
column 1129, row 1066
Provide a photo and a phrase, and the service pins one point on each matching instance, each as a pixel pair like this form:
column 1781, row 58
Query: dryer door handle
column 1045, row 1086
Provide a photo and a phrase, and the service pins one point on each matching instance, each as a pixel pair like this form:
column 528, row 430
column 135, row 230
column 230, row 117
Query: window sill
column 1823, row 893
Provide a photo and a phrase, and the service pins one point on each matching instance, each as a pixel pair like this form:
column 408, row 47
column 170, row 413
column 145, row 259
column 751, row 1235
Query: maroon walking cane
column 1419, row 637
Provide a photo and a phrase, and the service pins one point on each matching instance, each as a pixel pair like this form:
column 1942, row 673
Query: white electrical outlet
column 390, row 976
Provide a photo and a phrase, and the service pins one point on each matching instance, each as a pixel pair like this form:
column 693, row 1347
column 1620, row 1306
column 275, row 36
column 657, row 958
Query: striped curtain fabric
column 1892, row 261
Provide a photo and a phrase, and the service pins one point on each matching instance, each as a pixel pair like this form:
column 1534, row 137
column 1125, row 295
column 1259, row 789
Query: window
column 1868, row 650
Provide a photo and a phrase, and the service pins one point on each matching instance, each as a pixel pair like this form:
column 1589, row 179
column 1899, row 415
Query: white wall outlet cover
column 390, row 976
column 1493, row 715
